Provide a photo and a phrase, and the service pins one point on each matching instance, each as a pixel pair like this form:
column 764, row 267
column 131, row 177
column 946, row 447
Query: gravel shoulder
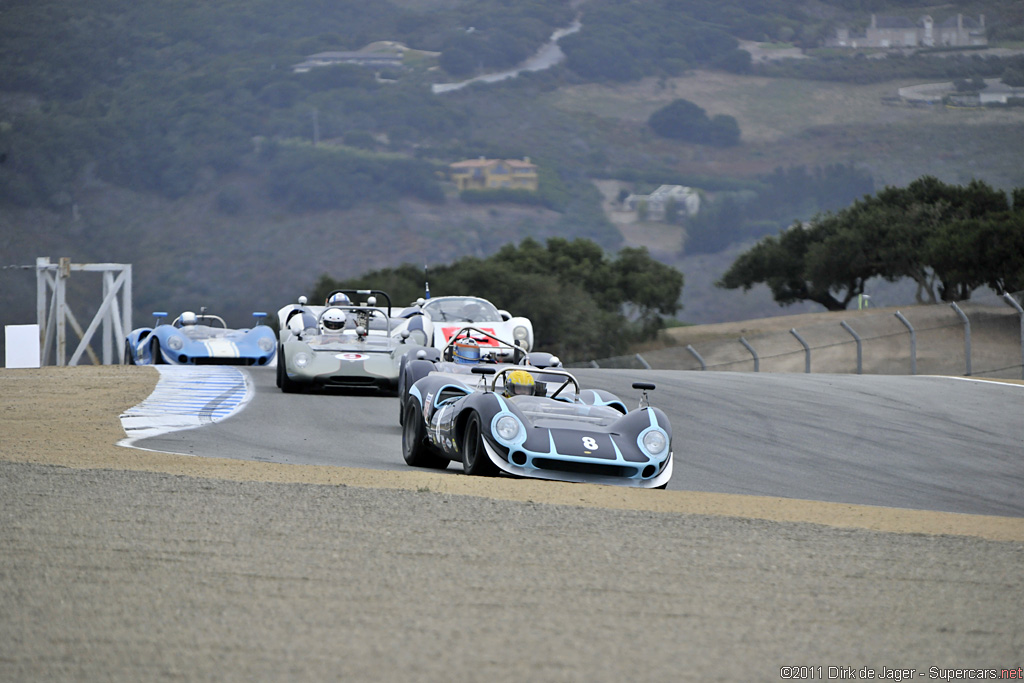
column 120, row 564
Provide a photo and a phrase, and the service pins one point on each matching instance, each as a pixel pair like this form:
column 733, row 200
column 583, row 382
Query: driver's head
column 466, row 351
column 519, row 383
column 333, row 320
column 338, row 299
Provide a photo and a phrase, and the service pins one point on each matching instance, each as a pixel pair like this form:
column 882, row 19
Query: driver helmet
column 333, row 320
column 188, row 318
column 338, row 299
column 466, row 351
column 519, row 383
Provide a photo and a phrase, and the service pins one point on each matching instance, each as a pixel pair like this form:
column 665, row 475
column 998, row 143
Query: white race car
column 444, row 316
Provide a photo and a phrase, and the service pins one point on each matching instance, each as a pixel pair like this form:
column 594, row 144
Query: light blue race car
column 200, row 339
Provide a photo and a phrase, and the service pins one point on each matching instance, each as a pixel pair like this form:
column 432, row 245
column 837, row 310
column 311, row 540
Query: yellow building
column 491, row 174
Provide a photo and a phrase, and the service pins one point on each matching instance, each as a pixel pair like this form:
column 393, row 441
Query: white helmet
column 333, row 320
column 338, row 299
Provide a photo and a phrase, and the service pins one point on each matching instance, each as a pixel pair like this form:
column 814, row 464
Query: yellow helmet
column 519, row 383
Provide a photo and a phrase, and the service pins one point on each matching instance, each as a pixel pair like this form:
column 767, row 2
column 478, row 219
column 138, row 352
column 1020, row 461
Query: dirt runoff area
column 121, row 564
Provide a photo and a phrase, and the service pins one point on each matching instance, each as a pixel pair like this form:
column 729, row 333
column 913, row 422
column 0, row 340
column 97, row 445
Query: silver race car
column 349, row 342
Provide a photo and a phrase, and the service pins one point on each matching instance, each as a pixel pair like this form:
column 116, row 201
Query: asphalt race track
column 928, row 443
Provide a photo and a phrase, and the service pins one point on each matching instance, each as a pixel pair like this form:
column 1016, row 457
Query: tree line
column 582, row 302
column 949, row 239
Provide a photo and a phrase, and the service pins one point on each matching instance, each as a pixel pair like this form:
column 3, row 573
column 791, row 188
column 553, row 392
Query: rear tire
column 474, row 455
column 415, row 448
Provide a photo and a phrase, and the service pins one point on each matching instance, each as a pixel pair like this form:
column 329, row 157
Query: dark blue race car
column 534, row 422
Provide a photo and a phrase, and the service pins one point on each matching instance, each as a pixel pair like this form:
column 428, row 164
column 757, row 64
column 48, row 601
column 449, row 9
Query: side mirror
column 644, row 387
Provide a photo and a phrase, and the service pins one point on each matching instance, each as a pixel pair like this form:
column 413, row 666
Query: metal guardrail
column 983, row 337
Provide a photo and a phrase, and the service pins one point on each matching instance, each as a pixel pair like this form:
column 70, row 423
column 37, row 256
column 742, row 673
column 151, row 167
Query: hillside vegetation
column 181, row 140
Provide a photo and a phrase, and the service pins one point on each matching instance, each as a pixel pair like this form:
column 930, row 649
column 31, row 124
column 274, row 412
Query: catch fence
column 983, row 337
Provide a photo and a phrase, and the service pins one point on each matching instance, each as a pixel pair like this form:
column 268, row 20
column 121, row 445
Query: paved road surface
column 124, row 575
column 929, row 443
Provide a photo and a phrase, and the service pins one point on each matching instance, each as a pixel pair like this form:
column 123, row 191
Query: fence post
column 703, row 365
column 807, row 349
column 757, row 361
column 41, row 291
column 860, row 350
column 967, row 335
column 913, row 342
column 1020, row 312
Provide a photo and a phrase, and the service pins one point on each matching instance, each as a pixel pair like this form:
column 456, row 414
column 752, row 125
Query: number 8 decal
column 589, row 443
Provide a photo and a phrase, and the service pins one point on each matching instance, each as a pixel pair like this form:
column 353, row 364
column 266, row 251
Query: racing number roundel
column 593, row 445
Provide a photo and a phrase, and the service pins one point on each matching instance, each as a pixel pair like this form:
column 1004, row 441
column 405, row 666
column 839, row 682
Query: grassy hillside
column 178, row 246
column 217, row 235
column 789, row 122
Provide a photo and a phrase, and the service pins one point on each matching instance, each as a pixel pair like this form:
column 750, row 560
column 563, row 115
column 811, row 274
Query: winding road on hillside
column 929, row 443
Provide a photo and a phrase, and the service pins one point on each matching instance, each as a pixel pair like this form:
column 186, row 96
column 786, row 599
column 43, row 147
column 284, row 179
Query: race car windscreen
column 462, row 310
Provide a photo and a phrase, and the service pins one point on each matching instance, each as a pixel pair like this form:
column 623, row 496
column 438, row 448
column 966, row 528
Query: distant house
column 687, row 199
column 994, row 92
column 489, row 174
column 374, row 60
column 901, row 32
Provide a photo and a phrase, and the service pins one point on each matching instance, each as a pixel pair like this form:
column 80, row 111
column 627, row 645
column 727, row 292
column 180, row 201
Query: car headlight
column 418, row 337
column 507, row 427
column 265, row 344
column 521, row 333
column 654, row 442
column 300, row 360
column 175, row 343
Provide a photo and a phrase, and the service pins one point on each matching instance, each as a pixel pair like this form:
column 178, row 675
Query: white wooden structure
column 54, row 315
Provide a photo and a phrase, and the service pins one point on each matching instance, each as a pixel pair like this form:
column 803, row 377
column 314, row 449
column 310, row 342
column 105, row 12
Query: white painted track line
column 186, row 397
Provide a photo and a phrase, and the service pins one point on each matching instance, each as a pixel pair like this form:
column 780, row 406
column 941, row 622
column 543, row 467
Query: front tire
column 288, row 385
column 154, row 351
column 129, row 356
column 285, row 383
column 411, row 372
column 280, row 364
column 415, row 448
column 474, row 455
